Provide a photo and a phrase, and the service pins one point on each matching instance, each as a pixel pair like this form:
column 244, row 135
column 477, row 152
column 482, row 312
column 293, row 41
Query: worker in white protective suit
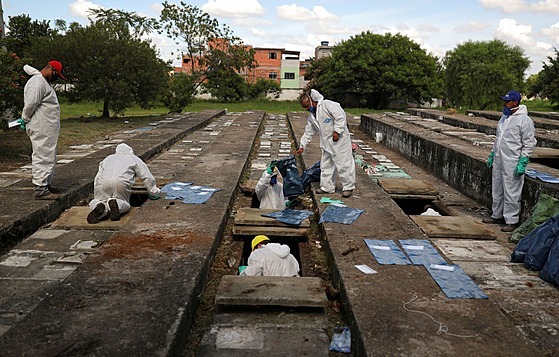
column 329, row 120
column 511, row 153
column 269, row 191
column 270, row 259
column 113, row 183
column 41, row 119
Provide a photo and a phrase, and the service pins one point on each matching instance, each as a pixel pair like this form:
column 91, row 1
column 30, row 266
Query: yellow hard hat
column 258, row 239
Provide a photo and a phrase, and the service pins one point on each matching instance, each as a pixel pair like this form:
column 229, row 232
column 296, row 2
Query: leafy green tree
column 180, row 93
column 262, row 88
column 478, row 72
column 548, row 79
column 108, row 62
column 371, row 70
column 12, row 82
column 213, row 53
column 22, row 31
column 532, row 85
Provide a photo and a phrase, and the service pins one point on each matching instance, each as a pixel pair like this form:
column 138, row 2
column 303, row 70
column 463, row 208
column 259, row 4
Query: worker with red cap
column 41, row 120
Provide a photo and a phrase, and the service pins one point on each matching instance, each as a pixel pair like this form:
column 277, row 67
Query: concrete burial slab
column 545, row 153
column 76, row 218
column 452, row 227
column 253, row 217
column 402, row 186
column 248, row 187
column 473, row 250
column 271, row 291
column 269, row 231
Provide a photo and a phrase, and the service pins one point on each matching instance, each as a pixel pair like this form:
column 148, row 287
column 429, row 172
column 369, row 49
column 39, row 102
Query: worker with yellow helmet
column 270, row 259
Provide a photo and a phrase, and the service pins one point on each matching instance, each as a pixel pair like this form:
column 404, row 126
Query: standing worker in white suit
column 511, row 153
column 329, row 120
column 41, row 119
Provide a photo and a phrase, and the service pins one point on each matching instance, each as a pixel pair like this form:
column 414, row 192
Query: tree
column 478, row 72
column 107, row 61
column 548, row 79
column 12, row 82
column 262, row 88
column 179, row 94
column 22, row 31
column 532, row 85
column 371, row 70
column 213, row 53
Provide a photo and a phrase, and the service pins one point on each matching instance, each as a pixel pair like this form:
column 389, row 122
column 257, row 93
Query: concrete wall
column 461, row 170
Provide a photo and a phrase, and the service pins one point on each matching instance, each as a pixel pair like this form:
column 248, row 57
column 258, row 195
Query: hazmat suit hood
column 522, row 110
column 123, row 149
column 32, row 71
column 316, row 96
column 281, row 250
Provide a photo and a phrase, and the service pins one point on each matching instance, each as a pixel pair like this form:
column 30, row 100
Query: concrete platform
column 76, row 218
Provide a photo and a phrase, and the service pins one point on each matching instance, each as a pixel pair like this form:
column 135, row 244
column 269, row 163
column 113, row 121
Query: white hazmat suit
column 272, row 259
column 515, row 138
column 117, row 173
column 328, row 118
column 41, row 113
column 270, row 196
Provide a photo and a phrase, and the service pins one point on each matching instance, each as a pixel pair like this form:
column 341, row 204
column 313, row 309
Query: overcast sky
column 438, row 26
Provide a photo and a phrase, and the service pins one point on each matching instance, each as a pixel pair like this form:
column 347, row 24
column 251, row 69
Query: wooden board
column 269, row 231
column 403, row 186
column 76, row 218
column 139, row 184
column 545, row 153
column 253, row 217
column 271, row 291
column 452, row 227
column 248, row 187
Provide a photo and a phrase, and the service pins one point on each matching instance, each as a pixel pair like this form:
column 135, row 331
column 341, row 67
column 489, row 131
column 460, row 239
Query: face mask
column 273, row 180
column 508, row 111
column 312, row 109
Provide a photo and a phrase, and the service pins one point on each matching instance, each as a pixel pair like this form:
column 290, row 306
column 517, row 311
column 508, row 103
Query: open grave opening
column 289, row 241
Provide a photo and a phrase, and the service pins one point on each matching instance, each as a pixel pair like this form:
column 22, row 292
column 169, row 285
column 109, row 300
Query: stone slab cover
column 271, row 291
column 76, row 217
column 452, row 227
column 403, row 186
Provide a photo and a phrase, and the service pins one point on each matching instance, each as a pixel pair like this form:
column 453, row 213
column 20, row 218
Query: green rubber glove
column 154, row 196
column 271, row 167
column 21, row 124
column 521, row 166
column 242, row 268
column 490, row 160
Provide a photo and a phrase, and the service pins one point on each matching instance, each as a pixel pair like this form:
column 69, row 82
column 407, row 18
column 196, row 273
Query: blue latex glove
column 490, row 160
column 521, row 166
column 21, row 124
column 154, row 196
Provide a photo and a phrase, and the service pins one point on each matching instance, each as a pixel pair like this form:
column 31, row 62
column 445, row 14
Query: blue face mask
column 273, row 180
column 312, row 109
column 507, row 111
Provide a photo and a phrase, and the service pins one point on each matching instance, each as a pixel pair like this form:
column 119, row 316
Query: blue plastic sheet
column 337, row 214
column 292, row 186
column 290, row 216
column 341, row 341
column 421, row 252
column 456, row 284
column 386, row 252
column 545, row 177
column 187, row 193
column 534, row 240
column 538, row 254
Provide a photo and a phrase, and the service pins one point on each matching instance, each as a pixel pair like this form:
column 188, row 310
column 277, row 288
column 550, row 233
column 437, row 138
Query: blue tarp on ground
column 545, row 177
column 421, row 252
column 337, row 214
column 187, row 193
column 455, row 284
column 386, row 252
column 290, row 216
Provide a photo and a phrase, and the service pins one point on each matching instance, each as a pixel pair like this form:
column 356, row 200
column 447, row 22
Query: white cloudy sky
column 437, row 25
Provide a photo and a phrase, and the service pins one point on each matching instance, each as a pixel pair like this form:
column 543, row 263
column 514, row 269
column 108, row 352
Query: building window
column 289, row 75
column 273, row 75
column 272, row 55
column 186, row 60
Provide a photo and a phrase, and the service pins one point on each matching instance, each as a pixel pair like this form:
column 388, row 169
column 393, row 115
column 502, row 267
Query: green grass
column 539, row 105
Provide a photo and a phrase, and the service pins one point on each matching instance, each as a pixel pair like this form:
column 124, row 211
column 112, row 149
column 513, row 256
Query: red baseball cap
column 58, row 67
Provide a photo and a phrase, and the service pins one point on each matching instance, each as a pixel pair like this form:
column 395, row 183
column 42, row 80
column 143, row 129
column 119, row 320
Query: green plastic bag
column 546, row 207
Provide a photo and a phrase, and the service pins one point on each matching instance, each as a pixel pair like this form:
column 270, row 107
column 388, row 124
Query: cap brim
column 61, row 76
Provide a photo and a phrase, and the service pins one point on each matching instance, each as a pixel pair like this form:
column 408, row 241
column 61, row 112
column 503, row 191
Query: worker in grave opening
column 269, row 190
column 270, row 259
column 113, row 184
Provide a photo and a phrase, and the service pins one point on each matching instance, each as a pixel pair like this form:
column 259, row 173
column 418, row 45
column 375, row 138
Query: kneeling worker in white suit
column 269, row 191
column 113, row 184
column 270, row 259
